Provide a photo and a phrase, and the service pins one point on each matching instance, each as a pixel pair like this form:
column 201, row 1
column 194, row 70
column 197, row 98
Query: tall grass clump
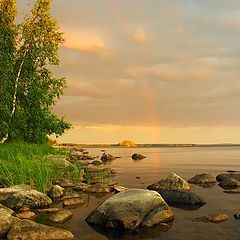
column 22, row 163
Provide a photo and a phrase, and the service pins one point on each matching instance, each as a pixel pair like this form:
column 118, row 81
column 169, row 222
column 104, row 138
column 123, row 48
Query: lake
column 186, row 162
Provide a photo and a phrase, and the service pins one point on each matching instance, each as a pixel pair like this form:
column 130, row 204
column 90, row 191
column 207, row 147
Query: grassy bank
column 22, row 163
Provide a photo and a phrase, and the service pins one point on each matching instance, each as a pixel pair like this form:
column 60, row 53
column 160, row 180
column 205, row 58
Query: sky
column 153, row 71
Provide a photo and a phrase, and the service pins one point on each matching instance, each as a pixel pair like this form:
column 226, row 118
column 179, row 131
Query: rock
column 7, row 210
column 70, row 195
column 99, row 188
column 61, row 216
column 85, row 157
column 96, row 162
column 31, row 199
column 137, row 156
column 48, row 210
column 26, row 215
column 81, row 187
column 6, row 220
column 180, row 197
column 64, row 183
column 85, row 152
column 56, row 191
column 216, row 218
column 118, row 189
column 233, row 191
column 6, row 192
column 107, row 157
column 237, row 216
column 29, row 230
column 229, row 183
column 232, row 171
column 60, row 160
column 202, row 179
column 170, row 182
column 73, row 202
column 225, row 176
column 131, row 209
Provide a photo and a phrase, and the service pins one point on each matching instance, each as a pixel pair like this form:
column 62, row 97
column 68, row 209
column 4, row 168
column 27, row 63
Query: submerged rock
column 202, row 179
column 237, row 216
column 215, row 218
column 73, row 202
column 61, row 216
column 48, row 210
column 233, row 191
column 225, row 176
column 29, row 230
column 229, row 183
column 170, row 182
column 31, row 199
column 180, row 197
column 137, row 156
column 131, row 209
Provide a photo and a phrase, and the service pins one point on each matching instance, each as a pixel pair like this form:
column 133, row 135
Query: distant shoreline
column 146, row 145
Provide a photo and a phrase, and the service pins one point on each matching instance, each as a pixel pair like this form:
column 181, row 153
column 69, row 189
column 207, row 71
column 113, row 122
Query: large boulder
column 170, row 182
column 202, row 178
column 31, row 199
column 29, row 230
column 131, row 209
column 182, row 198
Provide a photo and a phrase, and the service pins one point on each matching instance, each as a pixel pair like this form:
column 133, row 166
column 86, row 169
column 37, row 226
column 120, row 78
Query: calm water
column 185, row 162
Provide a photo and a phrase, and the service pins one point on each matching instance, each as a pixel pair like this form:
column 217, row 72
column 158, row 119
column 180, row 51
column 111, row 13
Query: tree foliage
column 127, row 143
column 28, row 83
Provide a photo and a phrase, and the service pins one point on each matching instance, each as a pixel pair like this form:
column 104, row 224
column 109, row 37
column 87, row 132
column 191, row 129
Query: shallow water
column 185, row 162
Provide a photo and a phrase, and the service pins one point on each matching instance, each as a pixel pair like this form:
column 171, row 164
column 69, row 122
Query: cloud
column 84, row 41
column 140, row 36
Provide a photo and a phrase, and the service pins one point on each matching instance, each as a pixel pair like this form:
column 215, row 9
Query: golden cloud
column 140, row 36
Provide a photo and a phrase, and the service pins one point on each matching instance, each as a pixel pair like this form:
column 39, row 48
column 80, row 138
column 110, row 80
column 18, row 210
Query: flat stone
column 29, row 230
column 26, row 215
column 170, row 182
column 202, row 179
column 118, row 189
column 229, row 183
column 73, row 202
column 49, row 210
column 64, row 183
column 215, row 218
column 225, row 176
column 137, row 156
column 61, row 216
column 98, row 188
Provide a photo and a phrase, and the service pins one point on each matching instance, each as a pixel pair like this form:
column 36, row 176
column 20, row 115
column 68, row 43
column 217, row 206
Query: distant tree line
column 28, row 89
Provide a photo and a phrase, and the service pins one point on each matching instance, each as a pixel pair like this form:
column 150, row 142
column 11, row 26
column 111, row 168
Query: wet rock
column 73, row 202
column 65, row 183
column 180, row 197
column 131, row 209
column 107, row 157
column 56, row 191
column 233, row 191
column 61, row 216
column 8, row 191
column 138, row 177
column 96, row 162
column 81, row 187
column 85, row 152
column 31, row 199
column 7, row 210
column 215, row 218
column 6, row 220
column 118, row 189
column 99, row 188
column 202, row 179
column 225, row 176
column 85, row 157
column 137, row 156
column 70, row 195
column 237, row 216
column 48, row 210
column 229, row 183
column 29, row 230
column 232, row 171
column 26, row 215
column 170, row 182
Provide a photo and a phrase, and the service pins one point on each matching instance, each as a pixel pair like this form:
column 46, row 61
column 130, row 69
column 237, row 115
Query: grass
column 22, row 163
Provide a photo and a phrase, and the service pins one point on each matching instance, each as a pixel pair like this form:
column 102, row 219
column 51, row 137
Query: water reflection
column 151, row 233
